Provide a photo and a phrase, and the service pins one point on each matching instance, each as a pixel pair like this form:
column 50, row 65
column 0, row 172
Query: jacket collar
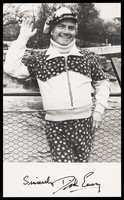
column 52, row 52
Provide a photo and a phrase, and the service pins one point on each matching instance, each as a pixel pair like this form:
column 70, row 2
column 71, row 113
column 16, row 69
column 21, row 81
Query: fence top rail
column 105, row 49
column 38, row 94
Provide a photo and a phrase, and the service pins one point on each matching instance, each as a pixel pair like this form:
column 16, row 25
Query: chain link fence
column 24, row 138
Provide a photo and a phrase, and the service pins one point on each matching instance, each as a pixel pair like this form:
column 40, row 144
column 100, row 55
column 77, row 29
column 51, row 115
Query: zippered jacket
column 65, row 80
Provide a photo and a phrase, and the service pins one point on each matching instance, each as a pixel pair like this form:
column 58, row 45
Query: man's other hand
column 97, row 119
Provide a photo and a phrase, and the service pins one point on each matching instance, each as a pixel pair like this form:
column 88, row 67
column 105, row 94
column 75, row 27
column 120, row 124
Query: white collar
column 52, row 52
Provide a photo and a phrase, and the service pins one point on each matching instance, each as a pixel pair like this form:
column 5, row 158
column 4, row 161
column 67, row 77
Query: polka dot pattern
column 71, row 140
column 96, row 70
column 87, row 64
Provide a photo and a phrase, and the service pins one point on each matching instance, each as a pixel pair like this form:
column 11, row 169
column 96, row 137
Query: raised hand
column 26, row 31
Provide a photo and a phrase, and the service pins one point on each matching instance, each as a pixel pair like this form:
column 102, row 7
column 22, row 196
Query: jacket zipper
column 69, row 82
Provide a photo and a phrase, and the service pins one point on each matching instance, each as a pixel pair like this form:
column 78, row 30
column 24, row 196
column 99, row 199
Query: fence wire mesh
column 24, row 138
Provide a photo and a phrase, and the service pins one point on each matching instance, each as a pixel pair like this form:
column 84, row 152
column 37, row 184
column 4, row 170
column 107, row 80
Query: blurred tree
column 12, row 13
column 92, row 29
column 86, row 16
column 12, row 18
column 112, row 31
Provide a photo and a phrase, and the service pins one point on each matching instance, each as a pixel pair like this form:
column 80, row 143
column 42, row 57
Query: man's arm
column 102, row 91
column 13, row 64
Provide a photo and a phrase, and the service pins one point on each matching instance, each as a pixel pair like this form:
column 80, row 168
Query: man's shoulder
column 85, row 51
column 34, row 53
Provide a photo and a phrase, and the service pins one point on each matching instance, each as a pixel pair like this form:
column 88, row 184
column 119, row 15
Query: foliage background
column 92, row 30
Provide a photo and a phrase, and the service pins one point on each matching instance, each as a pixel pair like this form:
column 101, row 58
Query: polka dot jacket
column 43, row 69
column 64, row 82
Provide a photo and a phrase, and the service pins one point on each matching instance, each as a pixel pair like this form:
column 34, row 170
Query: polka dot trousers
column 71, row 140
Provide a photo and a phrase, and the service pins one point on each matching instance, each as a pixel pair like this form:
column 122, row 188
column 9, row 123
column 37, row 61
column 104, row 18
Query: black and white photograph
column 61, row 99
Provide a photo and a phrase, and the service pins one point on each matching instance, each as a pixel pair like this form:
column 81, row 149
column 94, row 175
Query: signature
column 65, row 183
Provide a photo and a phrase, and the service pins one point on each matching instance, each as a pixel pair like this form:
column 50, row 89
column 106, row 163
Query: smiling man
column 64, row 75
column 64, row 32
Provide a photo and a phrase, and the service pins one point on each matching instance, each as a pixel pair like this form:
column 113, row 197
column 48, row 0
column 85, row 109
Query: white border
column 107, row 175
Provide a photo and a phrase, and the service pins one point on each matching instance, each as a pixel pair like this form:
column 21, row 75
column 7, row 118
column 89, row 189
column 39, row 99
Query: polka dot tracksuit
column 64, row 81
column 71, row 140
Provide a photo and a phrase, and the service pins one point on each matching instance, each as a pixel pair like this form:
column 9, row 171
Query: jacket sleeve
column 101, row 85
column 13, row 65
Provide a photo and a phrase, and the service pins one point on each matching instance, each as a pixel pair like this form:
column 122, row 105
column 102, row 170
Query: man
column 64, row 75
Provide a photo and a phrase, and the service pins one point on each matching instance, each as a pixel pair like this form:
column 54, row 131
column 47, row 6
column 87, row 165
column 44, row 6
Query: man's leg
column 83, row 140
column 58, row 137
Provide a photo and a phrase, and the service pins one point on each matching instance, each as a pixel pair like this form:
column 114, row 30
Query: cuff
column 99, row 108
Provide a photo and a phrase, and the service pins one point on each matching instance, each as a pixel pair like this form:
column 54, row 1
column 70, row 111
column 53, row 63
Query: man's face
column 64, row 32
